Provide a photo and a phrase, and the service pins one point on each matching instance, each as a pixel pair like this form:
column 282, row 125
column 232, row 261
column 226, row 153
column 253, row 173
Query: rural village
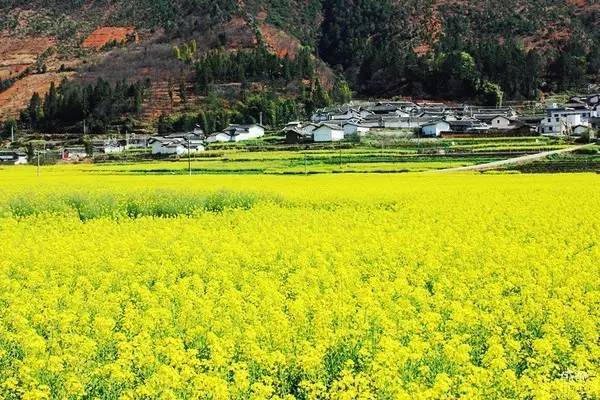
column 576, row 120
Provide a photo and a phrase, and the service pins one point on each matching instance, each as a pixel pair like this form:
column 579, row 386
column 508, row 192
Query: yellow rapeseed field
column 416, row 286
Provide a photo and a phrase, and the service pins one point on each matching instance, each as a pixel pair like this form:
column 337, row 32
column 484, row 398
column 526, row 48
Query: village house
column 218, row 137
column 237, row 133
column 309, row 128
column 108, row 147
column 501, row 122
column 176, row 146
column 136, row 141
column 560, row 121
column 573, row 116
column 13, row 158
column 435, row 129
column 383, row 109
column 467, row 125
column 406, row 122
column 352, row 128
column 328, row 133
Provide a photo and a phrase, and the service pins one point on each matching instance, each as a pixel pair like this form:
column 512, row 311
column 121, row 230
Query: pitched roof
column 330, row 126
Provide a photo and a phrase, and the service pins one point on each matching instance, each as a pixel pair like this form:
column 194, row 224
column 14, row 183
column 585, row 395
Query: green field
column 375, row 154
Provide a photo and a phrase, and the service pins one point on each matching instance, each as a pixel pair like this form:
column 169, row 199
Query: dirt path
column 513, row 161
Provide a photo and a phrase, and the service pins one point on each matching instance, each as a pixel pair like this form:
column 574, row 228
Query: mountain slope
column 425, row 48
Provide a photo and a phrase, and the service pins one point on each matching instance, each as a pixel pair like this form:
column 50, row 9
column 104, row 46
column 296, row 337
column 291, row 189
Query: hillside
column 424, row 48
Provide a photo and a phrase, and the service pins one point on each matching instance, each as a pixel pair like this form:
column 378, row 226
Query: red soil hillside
column 16, row 54
column 105, row 35
column 279, row 42
column 237, row 34
column 17, row 97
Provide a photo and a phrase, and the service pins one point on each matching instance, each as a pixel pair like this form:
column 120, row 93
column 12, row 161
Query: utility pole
column 12, row 133
column 38, row 163
column 261, row 118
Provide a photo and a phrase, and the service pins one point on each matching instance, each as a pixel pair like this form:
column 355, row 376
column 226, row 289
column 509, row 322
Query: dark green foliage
column 216, row 115
column 161, row 204
column 71, row 103
column 7, row 128
column 255, row 65
column 350, row 27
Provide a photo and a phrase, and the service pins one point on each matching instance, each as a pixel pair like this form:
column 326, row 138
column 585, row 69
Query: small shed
column 297, row 136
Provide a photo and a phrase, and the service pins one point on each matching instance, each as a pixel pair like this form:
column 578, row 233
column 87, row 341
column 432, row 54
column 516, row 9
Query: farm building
column 297, row 136
column 328, row 133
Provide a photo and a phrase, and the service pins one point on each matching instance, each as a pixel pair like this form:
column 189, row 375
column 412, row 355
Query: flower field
column 415, row 286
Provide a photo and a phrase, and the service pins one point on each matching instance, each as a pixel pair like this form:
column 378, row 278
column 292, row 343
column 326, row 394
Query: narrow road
column 513, row 161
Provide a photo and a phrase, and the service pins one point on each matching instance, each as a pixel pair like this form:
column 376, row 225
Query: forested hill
column 435, row 48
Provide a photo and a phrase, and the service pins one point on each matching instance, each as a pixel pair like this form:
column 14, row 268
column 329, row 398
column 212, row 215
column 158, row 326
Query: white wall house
column 352, row 129
column 309, row 128
column 328, row 133
column 255, row 131
column 347, row 115
column 164, row 146
column 557, row 125
column 109, row 147
column 219, row 137
column 582, row 115
column 500, row 122
column 13, row 158
column 434, row 129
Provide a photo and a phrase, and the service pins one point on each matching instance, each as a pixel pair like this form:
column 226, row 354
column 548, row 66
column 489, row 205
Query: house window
column 549, row 129
column 557, row 119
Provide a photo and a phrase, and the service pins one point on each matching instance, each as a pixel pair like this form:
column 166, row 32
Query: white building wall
column 435, row 130
column 501, row 123
column 325, row 134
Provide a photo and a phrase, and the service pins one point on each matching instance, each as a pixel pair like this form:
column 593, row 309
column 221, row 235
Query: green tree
column 341, row 92
column 490, row 94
